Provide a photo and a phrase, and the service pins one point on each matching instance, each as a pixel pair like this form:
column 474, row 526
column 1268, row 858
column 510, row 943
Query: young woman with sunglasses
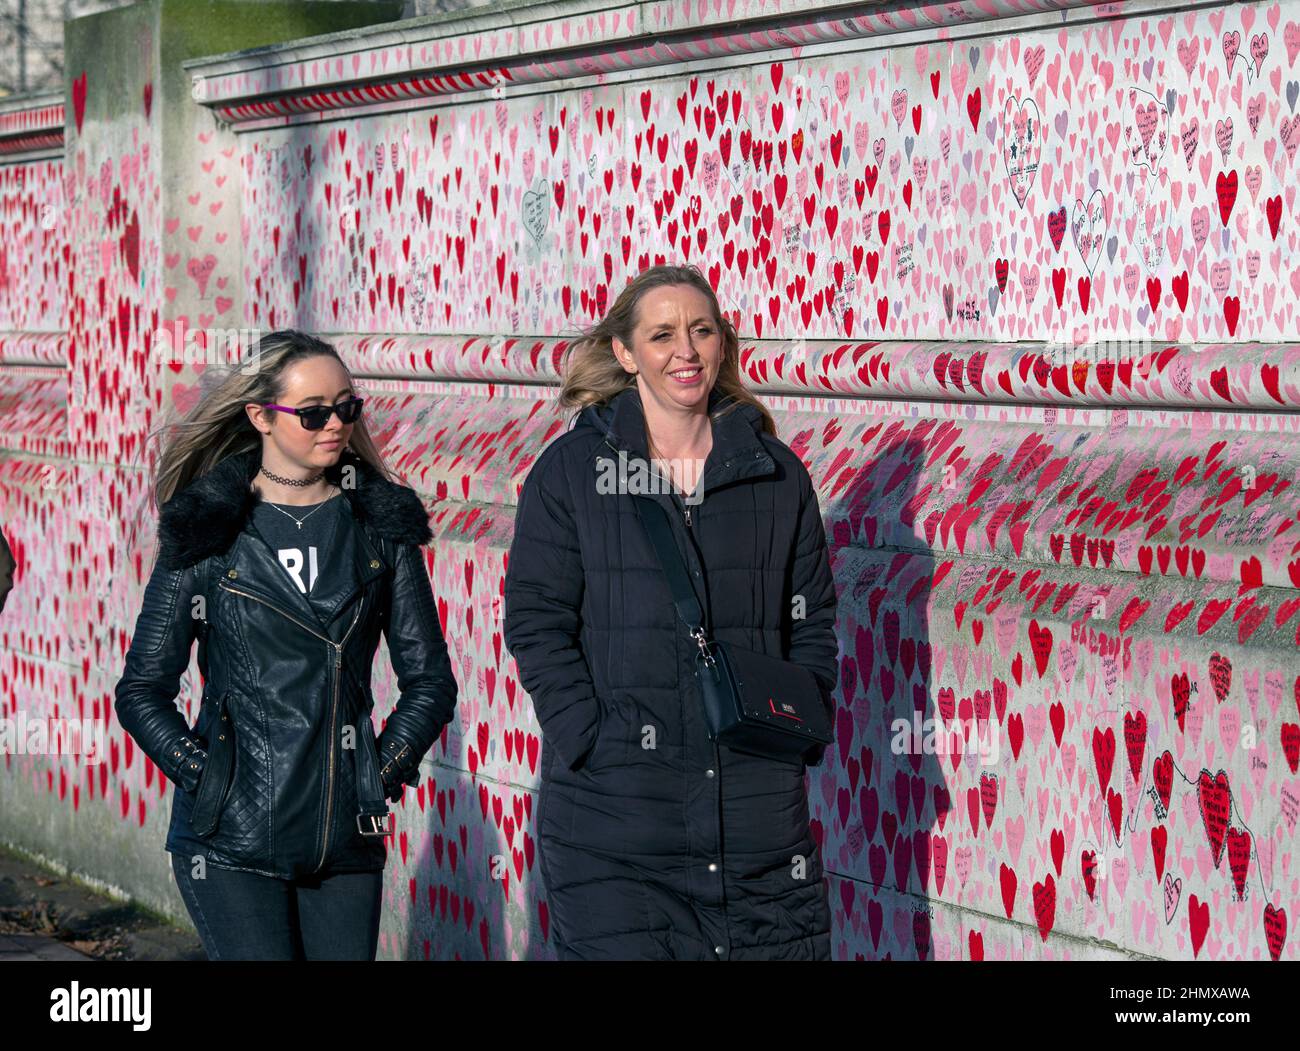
column 285, row 549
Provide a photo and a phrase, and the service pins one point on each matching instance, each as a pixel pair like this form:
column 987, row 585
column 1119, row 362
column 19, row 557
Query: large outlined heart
column 1146, row 130
column 1088, row 225
column 1022, row 133
column 536, row 209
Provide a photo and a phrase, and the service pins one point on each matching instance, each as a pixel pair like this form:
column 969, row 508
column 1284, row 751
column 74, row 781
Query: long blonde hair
column 217, row 427
column 593, row 375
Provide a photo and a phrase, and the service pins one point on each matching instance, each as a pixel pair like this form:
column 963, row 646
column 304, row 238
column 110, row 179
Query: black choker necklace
column 300, row 483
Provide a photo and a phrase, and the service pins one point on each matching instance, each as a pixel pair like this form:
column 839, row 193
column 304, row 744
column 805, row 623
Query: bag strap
column 655, row 520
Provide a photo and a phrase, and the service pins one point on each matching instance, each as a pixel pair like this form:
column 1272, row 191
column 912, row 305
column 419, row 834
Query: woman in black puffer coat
column 654, row 842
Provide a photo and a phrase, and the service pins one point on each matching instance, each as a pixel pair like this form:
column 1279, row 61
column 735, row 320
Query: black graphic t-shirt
column 303, row 552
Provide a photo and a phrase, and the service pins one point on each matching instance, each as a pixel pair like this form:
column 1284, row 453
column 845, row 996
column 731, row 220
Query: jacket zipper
column 338, row 664
column 329, row 792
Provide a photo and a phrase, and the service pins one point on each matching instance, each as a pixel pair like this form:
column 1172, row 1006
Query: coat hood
column 206, row 516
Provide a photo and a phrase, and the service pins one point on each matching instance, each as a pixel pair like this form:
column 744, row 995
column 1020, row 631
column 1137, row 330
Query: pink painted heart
column 1231, row 45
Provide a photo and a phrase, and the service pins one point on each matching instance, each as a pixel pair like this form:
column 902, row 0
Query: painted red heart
column 1225, row 187
column 1215, row 799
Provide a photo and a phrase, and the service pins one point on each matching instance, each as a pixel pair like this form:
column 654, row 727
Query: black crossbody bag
column 752, row 702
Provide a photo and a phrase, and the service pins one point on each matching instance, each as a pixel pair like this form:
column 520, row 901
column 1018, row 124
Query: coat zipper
column 685, row 508
column 686, row 512
column 338, row 664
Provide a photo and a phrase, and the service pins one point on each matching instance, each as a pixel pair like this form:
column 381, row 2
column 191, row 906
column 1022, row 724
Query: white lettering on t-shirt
column 291, row 559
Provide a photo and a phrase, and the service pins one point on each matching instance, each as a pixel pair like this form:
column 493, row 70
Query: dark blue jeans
column 244, row 916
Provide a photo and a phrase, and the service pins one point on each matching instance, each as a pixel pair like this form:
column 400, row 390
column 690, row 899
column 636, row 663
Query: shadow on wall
column 464, row 920
column 491, row 911
column 889, row 797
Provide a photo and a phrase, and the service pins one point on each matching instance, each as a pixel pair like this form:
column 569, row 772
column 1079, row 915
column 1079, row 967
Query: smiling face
column 318, row 380
column 676, row 348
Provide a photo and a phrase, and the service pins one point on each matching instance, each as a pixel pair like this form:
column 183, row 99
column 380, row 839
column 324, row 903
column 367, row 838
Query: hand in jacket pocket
column 399, row 765
column 609, row 726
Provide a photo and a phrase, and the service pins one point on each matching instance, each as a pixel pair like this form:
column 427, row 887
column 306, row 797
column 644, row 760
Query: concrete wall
column 1020, row 286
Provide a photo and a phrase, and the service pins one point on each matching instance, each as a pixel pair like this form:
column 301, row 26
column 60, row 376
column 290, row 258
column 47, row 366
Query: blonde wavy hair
column 217, row 427
column 593, row 374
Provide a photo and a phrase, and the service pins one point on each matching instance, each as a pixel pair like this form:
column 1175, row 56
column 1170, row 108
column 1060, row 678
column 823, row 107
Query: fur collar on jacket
column 205, row 518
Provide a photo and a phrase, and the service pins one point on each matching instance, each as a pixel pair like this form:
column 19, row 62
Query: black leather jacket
column 285, row 775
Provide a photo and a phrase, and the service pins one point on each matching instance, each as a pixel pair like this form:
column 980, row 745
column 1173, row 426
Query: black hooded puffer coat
column 653, row 841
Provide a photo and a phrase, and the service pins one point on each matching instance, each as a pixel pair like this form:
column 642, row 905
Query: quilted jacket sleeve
column 158, row 656
column 427, row 686
column 543, row 597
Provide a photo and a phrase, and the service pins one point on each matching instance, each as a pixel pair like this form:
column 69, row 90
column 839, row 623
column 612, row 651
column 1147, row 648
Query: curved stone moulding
column 1123, row 497
column 31, row 122
column 34, row 348
column 28, row 114
column 33, row 394
column 35, row 409
column 1122, row 374
column 31, row 143
column 397, row 65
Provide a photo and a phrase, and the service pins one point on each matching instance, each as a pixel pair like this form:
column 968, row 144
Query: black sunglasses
column 314, row 417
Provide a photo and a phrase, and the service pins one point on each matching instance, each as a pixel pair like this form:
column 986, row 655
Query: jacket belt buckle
column 375, row 824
